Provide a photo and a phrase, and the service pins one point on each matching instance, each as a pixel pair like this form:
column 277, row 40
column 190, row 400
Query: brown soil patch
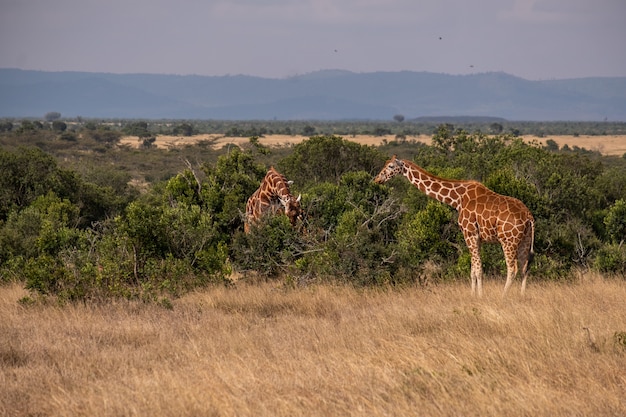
column 606, row 145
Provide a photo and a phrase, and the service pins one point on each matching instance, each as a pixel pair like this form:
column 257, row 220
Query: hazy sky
column 533, row 39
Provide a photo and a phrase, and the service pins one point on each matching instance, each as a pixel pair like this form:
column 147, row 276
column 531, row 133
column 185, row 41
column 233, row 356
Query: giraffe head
column 292, row 208
column 392, row 168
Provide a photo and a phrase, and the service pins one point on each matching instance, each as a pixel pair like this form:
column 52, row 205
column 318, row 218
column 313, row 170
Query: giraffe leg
column 473, row 244
column 524, row 276
column 523, row 261
column 525, row 256
column 477, row 275
column 511, row 270
column 477, row 270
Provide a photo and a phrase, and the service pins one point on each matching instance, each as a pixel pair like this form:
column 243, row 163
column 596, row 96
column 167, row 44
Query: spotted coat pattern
column 484, row 216
column 272, row 197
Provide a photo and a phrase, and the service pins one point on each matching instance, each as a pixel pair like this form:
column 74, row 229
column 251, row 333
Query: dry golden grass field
column 606, row 145
column 322, row 350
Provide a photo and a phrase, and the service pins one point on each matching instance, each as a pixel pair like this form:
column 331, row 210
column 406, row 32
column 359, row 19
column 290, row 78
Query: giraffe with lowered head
column 272, row 197
column 484, row 216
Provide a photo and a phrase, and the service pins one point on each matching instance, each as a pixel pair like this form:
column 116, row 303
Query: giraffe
column 484, row 216
column 272, row 197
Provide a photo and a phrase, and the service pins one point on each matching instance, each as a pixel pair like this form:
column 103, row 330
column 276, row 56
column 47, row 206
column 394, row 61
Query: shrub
column 327, row 159
column 102, row 134
column 226, row 189
column 59, row 126
column 429, row 234
column 269, row 249
column 139, row 129
column 611, row 259
column 45, row 275
column 615, row 221
column 183, row 129
column 359, row 251
column 45, row 227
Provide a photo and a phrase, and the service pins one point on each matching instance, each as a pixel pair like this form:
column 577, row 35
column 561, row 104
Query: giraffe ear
column 289, row 182
column 299, row 197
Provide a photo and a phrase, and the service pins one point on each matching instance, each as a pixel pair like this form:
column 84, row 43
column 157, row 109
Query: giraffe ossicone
column 484, row 216
column 272, row 197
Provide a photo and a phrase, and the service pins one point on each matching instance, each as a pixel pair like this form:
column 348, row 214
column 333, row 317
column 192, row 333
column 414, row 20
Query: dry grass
column 218, row 141
column 606, row 145
column 263, row 350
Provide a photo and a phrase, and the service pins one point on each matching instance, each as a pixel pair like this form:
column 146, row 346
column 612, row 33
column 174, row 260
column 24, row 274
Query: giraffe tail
column 531, row 253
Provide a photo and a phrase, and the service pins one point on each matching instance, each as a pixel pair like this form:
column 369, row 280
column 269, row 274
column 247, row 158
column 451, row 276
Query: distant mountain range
column 322, row 95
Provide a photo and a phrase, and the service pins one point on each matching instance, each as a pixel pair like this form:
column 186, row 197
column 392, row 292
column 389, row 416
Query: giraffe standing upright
column 484, row 216
column 272, row 196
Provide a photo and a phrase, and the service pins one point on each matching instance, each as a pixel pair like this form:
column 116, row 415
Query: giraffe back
column 272, row 197
column 495, row 217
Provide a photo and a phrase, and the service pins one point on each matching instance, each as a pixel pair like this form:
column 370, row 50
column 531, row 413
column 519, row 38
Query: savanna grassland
column 324, row 350
column 604, row 144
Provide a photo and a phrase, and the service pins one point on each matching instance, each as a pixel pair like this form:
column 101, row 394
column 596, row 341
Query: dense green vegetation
column 84, row 218
column 396, row 126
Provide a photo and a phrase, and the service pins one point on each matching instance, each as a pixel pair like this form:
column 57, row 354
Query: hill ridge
column 321, row 95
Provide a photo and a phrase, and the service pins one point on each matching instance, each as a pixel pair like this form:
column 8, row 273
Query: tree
column 381, row 131
column 551, row 145
column 308, row 130
column 327, row 158
column 52, row 116
column 6, row 126
column 496, row 128
column 26, row 174
column 59, row 126
column 137, row 129
column 183, row 129
column 102, row 134
column 398, row 118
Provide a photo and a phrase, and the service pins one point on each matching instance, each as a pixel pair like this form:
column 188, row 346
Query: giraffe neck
column 276, row 186
column 447, row 191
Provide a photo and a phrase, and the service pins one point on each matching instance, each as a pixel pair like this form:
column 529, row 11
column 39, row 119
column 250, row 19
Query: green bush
column 270, row 248
column 45, row 227
column 327, row 158
column 615, row 222
column 430, row 234
column 226, row 189
column 139, row 129
column 611, row 259
column 46, row 275
column 90, row 235
column 359, row 250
